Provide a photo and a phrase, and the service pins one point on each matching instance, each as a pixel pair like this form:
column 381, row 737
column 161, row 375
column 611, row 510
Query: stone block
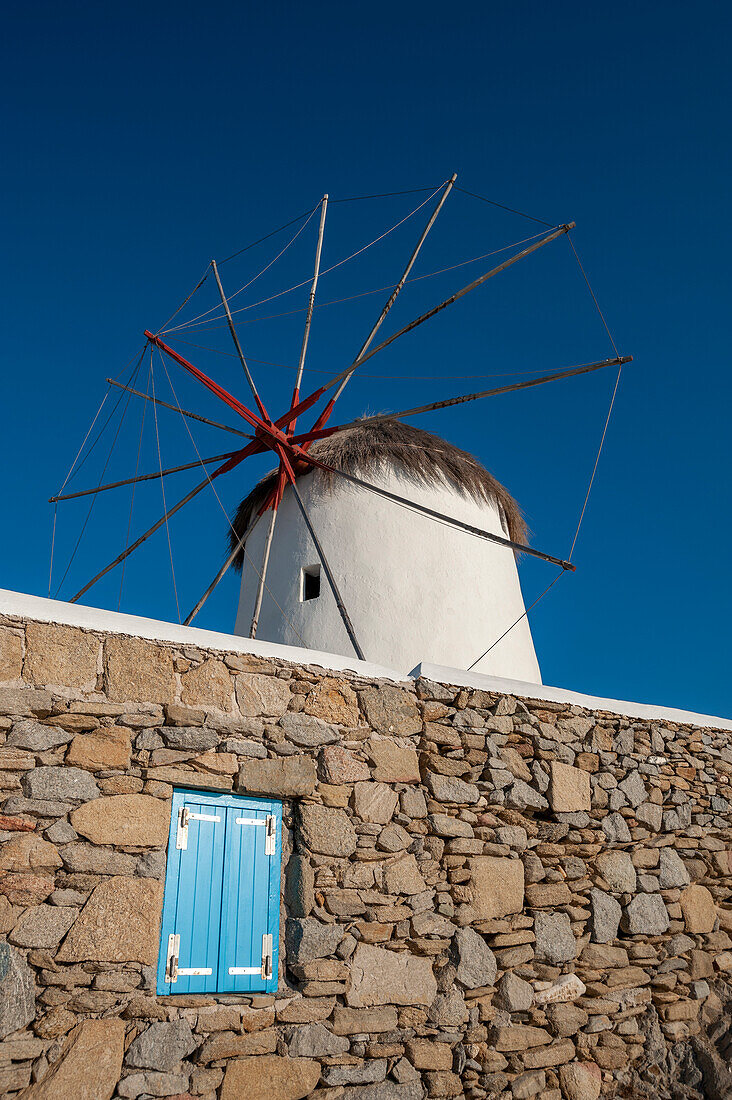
column 615, row 828
column 338, row 765
column 448, row 1010
column 559, row 1052
column 119, row 923
column 15, row 760
column 393, row 763
column 37, row 736
column 25, row 889
column 28, row 852
column 152, row 1083
column 281, row 777
column 89, row 1065
column 697, row 905
column 17, row 991
column 208, row 685
column 92, row 860
column 53, row 783
column 403, row 877
column 580, row 1081
column 476, row 963
column 381, row 977
column 450, row 788
column 498, row 888
column 634, row 789
column 364, row 1021
column 646, row 915
column 618, row 871
column 25, row 702
column 125, row 820
column 334, row 701
column 309, row 732
column 316, row 1041
column 374, row 802
column 262, row 696
column 671, row 870
column 162, row 1046
column 188, row 738
column 391, row 710
column 307, row 939
column 367, row 1073
column 555, row 942
column 514, row 994
column 327, row 831
column 569, row 788
column 227, row 1044
column 270, row 1077
column 138, row 670
column 428, row 1054
column 11, row 655
column 43, row 926
column 519, row 1037
column 299, row 886
column 106, row 747
column 521, row 796
column 60, row 655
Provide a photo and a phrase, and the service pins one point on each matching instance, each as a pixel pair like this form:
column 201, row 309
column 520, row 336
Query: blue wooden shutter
column 221, row 901
column 250, row 911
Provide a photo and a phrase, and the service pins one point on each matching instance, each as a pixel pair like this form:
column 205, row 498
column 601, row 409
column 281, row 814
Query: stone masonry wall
column 482, row 895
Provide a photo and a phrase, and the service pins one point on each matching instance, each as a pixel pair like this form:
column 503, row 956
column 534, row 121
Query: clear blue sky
column 141, row 140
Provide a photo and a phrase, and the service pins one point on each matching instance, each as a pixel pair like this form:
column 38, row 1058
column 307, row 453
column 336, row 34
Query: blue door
column 220, row 925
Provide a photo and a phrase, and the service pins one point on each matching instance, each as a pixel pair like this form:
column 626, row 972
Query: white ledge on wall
column 22, row 606
column 38, row 608
column 442, row 675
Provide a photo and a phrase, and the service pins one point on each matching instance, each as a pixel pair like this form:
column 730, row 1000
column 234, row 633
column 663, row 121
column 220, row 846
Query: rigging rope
column 134, row 486
column 253, row 279
column 361, row 294
column 196, row 321
column 162, row 487
column 104, row 468
column 594, row 467
column 501, row 206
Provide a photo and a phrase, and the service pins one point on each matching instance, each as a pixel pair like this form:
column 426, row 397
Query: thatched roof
column 418, row 455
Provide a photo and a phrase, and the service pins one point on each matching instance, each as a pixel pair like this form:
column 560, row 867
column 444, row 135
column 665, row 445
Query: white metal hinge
column 171, row 962
column 270, row 840
column 265, row 970
column 270, row 823
column 172, row 970
column 184, row 816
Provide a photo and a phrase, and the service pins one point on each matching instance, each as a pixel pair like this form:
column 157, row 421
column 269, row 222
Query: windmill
column 326, row 450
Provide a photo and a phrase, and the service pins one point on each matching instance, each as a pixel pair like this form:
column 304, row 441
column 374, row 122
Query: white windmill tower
column 416, row 589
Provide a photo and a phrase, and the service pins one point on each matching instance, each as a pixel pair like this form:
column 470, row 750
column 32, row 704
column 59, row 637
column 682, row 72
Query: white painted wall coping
column 455, row 676
column 36, row 608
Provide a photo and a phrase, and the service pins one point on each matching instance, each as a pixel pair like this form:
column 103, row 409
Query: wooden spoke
column 309, row 401
column 556, row 377
column 143, row 477
column 237, row 345
column 281, row 480
column 221, row 573
column 323, row 560
column 311, row 302
column 519, row 547
column 230, row 465
column 322, row 419
column 183, row 412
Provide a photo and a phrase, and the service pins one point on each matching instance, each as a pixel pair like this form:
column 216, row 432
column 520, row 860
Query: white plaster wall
column 415, row 589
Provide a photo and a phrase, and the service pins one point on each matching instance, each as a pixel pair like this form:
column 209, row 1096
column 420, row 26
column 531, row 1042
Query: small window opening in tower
column 310, row 583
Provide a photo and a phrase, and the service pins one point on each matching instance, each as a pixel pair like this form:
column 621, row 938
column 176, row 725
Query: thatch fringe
column 417, row 455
